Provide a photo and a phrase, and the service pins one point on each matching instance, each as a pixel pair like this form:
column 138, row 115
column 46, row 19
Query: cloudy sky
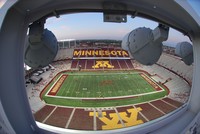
column 91, row 26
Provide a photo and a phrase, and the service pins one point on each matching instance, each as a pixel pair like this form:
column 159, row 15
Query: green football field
column 79, row 86
column 104, row 85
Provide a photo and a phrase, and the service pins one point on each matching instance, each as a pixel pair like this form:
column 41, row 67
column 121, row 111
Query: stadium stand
column 176, row 65
column 169, row 71
column 70, row 117
column 64, row 54
column 87, row 58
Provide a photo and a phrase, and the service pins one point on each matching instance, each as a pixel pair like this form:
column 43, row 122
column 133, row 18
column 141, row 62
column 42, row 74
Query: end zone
column 55, row 88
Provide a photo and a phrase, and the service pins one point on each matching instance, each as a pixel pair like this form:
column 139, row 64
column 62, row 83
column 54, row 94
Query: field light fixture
column 144, row 44
column 41, row 47
column 185, row 51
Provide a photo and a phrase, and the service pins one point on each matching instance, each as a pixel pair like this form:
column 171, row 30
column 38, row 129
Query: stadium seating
column 129, row 64
column 113, row 56
column 164, row 70
column 64, row 54
column 175, row 64
column 122, row 64
column 169, row 70
column 74, row 63
column 89, row 64
column 118, row 64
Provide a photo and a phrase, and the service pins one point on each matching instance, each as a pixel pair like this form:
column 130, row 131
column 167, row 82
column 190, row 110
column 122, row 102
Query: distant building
column 169, row 50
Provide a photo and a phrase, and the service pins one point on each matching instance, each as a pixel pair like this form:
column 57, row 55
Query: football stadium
column 99, row 67
column 95, row 85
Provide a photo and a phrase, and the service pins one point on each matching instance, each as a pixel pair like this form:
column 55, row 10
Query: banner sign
column 83, row 53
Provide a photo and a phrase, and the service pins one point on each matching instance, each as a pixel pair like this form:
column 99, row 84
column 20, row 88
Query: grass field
column 105, row 85
column 78, row 86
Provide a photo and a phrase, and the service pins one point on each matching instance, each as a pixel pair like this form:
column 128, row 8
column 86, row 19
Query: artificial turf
column 103, row 85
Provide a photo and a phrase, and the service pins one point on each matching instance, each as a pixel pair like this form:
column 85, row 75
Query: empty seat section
column 115, row 64
column 129, row 63
column 74, row 63
column 89, row 64
column 82, row 63
column 123, row 65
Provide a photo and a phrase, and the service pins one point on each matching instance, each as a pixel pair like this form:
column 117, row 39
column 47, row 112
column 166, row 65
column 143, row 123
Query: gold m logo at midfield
column 101, row 64
column 113, row 122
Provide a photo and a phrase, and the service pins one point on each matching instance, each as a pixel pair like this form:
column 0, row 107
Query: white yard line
column 95, row 120
column 53, row 84
column 108, row 106
column 169, row 104
column 141, row 114
column 79, row 86
column 49, row 115
column 94, row 98
column 157, row 108
column 116, row 73
column 70, row 118
column 65, row 88
column 120, row 119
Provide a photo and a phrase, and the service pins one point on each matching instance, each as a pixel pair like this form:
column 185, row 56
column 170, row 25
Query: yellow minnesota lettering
column 124, row 53
column 107, row 53
column 88, row 53
column 100, row 53
column 77, row 53
column 95, row 52
column 119, row 53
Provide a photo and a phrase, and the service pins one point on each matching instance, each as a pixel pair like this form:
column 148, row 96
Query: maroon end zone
column 155, row 86
column 57, row 86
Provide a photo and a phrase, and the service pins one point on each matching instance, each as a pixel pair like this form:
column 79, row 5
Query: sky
column 195, row 5
column 2, row 2
column 91, row 26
